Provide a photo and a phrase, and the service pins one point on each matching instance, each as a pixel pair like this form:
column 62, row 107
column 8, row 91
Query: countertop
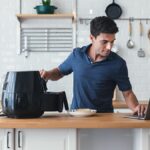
column 64, row 120
column 122, row 104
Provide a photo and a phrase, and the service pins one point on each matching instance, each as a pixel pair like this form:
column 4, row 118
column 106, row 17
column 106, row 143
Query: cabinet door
column 6, row 139
column 45, row 139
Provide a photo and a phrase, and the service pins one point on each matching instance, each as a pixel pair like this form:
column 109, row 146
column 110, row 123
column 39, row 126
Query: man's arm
column 130, row 99
column 133, row 104
column 53, row 74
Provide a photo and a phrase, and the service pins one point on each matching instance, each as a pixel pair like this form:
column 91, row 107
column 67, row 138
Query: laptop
column 144, row 117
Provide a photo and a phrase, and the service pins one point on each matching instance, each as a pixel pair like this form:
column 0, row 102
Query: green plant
column 46, row 2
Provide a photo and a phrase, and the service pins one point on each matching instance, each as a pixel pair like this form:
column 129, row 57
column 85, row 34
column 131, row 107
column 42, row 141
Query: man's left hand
column 140, row 109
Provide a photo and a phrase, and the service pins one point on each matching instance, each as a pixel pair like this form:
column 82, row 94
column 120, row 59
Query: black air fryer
column 24, row 96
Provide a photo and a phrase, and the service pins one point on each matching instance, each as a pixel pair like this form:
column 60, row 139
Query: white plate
column 82, row 112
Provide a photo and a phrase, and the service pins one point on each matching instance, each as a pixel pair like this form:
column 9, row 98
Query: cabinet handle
column 19, row 139
column 8, row 140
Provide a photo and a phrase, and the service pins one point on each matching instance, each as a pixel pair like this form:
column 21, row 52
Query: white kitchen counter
column 102, row 131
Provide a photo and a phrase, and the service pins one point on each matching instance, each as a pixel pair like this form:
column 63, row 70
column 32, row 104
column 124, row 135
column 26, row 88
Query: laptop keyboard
column 136, row 116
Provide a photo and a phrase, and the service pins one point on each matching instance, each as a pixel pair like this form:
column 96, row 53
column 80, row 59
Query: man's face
column 103, row 43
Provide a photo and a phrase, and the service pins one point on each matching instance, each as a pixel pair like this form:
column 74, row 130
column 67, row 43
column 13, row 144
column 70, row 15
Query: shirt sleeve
column 122, row 78
column 66, row 67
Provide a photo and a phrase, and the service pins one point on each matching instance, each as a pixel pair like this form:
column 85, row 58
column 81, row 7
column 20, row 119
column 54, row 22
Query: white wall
column 9, row 44
column 138, row 67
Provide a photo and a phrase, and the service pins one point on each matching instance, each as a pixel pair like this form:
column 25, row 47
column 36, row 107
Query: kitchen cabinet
column 46, row 139
column 6, row 139
column 37, row 139
column 73, row 139
column 113, row 139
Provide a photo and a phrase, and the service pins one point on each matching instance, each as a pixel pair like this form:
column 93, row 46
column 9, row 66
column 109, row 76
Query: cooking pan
column 113, row 10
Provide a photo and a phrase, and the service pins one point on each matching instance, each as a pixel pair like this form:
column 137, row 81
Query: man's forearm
column 130, row 99
column 54, row 74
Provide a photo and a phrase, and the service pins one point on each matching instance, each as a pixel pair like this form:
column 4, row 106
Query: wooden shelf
column 33, row 16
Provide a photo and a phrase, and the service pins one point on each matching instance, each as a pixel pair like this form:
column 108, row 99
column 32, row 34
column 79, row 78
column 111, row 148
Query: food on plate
column 84, row 110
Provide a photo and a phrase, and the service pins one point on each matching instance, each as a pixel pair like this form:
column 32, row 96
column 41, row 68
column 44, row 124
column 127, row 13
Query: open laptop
column 144, row 117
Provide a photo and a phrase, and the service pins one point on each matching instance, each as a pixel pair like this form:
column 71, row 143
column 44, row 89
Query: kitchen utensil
column 130, row 43
column 148, row 35
column 26, row 49
column 113, row 10
column 141, row 52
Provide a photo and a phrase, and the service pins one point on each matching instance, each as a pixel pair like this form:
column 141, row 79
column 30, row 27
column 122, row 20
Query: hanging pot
column 44, row 9
column 113, row 10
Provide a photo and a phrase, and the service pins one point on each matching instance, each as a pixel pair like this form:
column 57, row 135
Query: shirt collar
column 86, row 48
column 110, row 56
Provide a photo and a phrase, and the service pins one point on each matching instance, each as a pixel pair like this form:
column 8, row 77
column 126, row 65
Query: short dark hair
column 102, row 24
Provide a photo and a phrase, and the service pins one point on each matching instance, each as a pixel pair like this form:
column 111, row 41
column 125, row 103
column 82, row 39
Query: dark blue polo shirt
column 94, row 83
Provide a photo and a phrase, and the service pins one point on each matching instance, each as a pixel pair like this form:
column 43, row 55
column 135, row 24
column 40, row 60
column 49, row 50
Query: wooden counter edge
column 101, row 120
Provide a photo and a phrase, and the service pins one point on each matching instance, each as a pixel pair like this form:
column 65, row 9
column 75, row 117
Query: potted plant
column 45, row 8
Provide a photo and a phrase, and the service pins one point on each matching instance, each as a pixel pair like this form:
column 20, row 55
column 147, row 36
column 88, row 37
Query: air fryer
column 24, row 96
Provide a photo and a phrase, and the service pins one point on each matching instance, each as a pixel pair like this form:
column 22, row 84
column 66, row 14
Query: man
column 97, row 71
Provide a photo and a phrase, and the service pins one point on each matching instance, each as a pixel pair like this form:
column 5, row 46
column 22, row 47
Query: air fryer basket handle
column 64, row 100
column 43, row 82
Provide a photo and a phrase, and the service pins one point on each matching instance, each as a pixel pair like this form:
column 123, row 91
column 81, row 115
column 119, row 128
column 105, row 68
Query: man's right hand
column 44, row 74
column 53, row 74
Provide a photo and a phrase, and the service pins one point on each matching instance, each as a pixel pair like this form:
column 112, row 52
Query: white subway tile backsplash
column 139, row 72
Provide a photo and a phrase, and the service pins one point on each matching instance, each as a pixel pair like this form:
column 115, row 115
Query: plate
column 82, row 112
